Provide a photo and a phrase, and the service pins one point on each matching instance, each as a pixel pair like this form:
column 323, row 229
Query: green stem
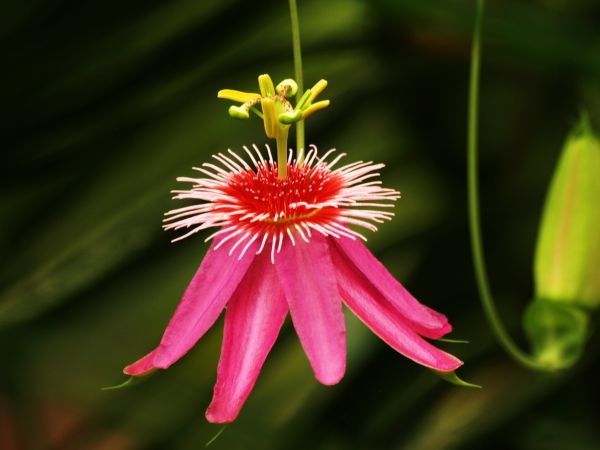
column 485, row 293
column 298, row 76
column 282, row 149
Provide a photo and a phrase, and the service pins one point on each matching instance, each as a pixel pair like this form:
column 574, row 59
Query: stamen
column 260, row 156
column 248, row 201
column 238, row 242
column 291, row 236
column 248, row 244
column 244, row 163
column 231, row 162
column 262, row 245
column 274, row 240
column 251, row 156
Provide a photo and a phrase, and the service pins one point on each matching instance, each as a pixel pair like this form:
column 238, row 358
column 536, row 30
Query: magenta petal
column 308, row 280
column 203, row 300
column 141, row 366
column 377, row 313
column 253, row 319
column 423, row 320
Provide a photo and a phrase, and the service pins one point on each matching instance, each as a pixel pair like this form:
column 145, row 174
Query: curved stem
column 298, row 76
column 485, row 292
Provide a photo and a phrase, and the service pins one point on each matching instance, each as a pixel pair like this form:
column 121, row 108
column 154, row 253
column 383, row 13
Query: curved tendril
column 485, row 292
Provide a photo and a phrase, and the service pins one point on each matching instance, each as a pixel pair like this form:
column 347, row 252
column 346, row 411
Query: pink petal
column 423, row 320
column 203, row 300
column 308, row 280
column 372, row 308
column 253, row 319
column 142, row 366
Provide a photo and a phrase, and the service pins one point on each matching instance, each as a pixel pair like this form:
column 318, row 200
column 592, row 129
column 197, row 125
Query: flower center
column 252, row 202
column 262, row 197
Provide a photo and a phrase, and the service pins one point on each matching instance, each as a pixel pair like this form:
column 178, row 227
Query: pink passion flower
column 285, row 244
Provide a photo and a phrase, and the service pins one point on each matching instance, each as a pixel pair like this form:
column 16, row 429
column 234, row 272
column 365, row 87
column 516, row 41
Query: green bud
column 567, row 259
column 557, row 333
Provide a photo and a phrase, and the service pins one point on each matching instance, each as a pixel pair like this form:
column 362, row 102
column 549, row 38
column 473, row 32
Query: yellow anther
column 317, row 89
column 267, row 89
column 315, row 107
column 269, row 117
column 237, row 96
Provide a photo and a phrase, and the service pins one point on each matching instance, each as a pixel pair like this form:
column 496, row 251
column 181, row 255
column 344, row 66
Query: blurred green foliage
column 105, row 103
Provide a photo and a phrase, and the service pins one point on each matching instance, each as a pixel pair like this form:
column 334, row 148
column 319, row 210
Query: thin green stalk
column 298, row 76
column 485, row 292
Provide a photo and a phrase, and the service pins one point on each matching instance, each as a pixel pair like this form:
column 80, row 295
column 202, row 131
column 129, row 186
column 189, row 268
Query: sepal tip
column 131, row 381
column 453, row 341
column 453, row 378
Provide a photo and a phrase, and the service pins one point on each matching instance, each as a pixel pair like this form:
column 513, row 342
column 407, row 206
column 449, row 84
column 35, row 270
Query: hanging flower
column 285, row 245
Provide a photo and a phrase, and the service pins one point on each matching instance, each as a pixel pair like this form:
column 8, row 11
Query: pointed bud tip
column 453, row 378
column 131, row 381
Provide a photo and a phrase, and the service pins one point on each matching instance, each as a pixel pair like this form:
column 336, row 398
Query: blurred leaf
column 462, row 415
column 515, row 30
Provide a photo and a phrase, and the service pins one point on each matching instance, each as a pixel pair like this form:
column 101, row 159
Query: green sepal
column 131, row 381
column 453, row 341
column 452, row 378
column 557, row 332
column 216, row 436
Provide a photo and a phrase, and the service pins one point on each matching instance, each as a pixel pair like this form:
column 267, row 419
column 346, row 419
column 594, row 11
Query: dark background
column 105, row 103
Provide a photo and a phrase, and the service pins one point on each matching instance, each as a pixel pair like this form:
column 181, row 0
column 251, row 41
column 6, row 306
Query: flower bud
column 557, row 333
column 567, row 259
